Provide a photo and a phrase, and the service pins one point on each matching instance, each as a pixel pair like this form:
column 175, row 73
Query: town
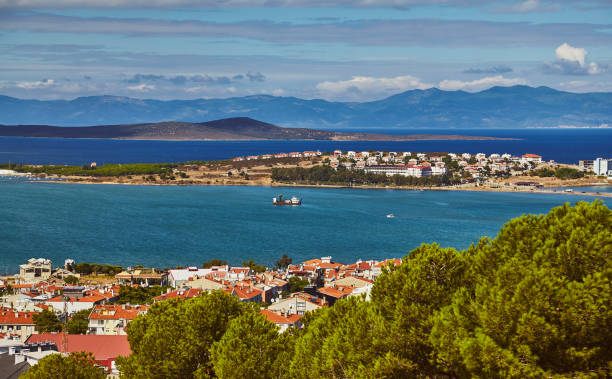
column 88, row 307
column 465, row 167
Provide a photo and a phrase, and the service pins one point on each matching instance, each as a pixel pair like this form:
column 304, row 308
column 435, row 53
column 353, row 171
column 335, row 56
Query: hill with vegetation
column 236, row 128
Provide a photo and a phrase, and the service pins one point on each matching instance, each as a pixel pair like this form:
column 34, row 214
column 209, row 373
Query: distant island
column 237, row 128
column 496, row 107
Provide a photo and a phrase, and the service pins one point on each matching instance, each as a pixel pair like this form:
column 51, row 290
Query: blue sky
column 336, row 49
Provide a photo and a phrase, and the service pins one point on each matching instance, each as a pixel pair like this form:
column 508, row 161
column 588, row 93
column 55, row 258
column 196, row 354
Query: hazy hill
column 510, row 107
column 237, row 128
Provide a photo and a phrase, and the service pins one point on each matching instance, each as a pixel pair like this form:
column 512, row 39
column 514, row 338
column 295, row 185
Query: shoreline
column 546, row 191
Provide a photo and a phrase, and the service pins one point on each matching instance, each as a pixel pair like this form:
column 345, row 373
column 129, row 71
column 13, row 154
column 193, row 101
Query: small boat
column 280, row 201
column 390, row 215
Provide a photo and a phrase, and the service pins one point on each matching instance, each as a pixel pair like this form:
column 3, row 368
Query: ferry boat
column 280, row 201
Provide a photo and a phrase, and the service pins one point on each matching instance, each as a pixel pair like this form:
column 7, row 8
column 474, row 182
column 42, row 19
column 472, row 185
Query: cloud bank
column 408, row 32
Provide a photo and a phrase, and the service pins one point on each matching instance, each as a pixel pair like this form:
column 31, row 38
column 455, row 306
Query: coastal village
column 493, row 172
column 284, row 294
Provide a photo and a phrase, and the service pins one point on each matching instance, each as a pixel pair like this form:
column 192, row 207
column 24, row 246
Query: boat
column 280, row 201
column 390, row 215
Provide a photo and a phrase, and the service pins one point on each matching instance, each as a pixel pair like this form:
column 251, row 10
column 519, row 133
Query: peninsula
column 237, row 128
column 365, row 169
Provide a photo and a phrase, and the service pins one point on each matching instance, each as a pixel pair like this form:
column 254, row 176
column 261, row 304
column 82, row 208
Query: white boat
column 390, row 215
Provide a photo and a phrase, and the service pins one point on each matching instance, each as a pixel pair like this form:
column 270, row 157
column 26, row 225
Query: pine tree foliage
column 535, row 301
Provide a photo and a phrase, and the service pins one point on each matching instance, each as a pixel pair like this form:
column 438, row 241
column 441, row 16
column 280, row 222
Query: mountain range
column 236, row 128
column 496, row 107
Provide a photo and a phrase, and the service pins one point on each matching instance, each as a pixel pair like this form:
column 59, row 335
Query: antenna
column 64, row 335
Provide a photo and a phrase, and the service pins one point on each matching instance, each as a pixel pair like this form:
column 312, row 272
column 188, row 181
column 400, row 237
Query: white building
column 35, row 270
column 407, row 170
column 602, row 166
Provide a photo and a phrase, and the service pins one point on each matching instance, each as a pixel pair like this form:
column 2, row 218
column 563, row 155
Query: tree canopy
column 283, row 262
column 46, row 322
column 248, row 349
column 79, row 322
column 139, row 295
column 174, row 338
column 74, row 366
column 535, row 301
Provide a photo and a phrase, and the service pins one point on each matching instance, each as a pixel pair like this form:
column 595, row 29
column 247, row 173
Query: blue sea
column 168, row 226
column 561, row 145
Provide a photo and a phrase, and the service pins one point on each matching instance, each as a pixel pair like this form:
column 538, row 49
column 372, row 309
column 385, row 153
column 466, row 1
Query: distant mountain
column 497, row 107
column 237, row 128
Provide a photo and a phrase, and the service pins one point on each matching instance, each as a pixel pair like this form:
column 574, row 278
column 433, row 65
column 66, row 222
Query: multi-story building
column 35, row 270
column 113, row 319
column 602, row 166
column 404, row 170
column 20, row 324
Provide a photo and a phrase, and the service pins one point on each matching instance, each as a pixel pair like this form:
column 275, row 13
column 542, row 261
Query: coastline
column 546, row 191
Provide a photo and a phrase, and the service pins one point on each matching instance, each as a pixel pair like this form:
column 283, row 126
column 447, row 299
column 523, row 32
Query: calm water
column 592, row 189
column 167, row 226
column 561, row 145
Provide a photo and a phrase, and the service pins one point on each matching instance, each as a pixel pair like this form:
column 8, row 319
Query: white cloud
column 480, row 84
column 35, row 85
column 572, row 61
column 570, row 53
column 142, row 88
column 370, row 87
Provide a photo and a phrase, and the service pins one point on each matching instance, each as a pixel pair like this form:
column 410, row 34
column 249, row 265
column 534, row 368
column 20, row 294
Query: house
column 143, row 276
column 238, row 273
column 252, row 157
column 246, row 293
column 35, row 270
column 377, row 270
column 237, row 159
column 281, row 155
column 531, row 158
column 180, row 277
column 205, row 283
column 282, row 321
column 297, row 304
column 113, row 319
column 404, row 170
column 331, row 294
column 17, row 323
column 104, row 348
column 295, row 154
column 182, row 293
column 353, row 281
column 310, row 154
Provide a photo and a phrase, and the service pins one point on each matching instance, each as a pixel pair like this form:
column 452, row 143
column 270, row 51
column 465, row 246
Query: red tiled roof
column 336, row 292
column 246, row 292
column 183, row 294
column 312, row 262
column 330, row 265
column 102, row 347
column 10, row 317
column 395, row 262
column 278, row 319
column 531, row 156
column 116, row 312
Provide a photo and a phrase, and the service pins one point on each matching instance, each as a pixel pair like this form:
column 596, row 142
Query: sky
column 337, row 50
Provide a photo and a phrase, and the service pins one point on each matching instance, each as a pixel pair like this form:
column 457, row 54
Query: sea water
column 165, row 226
column 561, row 145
